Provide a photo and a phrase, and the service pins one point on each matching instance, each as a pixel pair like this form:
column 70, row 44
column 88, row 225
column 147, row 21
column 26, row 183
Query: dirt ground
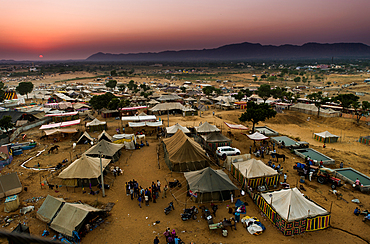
column 130, row 224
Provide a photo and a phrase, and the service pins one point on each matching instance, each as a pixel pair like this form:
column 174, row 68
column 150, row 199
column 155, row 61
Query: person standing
column 341, row 165
column 158, row 186
column 285, row 177
column 165, row 191
column 310, row 175
column 132, row 193
column 139, row 200
column 156, row 240
column 146, row 200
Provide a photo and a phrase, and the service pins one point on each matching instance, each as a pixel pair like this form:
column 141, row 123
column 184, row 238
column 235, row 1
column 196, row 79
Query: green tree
column 113, row 104
column 272, row 78
column 255, row 78
column 218, row 91
column 257, row 112
column 239, row 96
column 113, row 73
column 144, row 87
column 183, row 89
column 24, row 88
column 297, row 79
column 346, row 100
column 263, row 76
column 124, row 103
column 208, row 90
column 6, row 123
column 111, row 84
column 102, row 101
column 131, row 85
column 360, row 109
column 318, row 100
column 121, row 87
column 264, row 92
column 247, row 92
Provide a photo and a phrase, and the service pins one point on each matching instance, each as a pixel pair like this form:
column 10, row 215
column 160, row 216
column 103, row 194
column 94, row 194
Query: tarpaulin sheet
column 62, row 124
column 237, row 127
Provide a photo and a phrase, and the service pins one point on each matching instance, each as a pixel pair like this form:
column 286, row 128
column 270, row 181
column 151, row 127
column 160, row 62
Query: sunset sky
column 75, row 29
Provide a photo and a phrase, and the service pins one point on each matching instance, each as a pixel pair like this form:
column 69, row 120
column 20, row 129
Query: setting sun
column 40, row 56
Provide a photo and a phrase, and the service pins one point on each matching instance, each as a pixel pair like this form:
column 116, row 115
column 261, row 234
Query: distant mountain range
column 247, row 51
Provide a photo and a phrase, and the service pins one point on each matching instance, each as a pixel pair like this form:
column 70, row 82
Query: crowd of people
column 149, row 194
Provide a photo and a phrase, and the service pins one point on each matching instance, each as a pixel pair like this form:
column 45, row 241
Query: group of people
column 144, row 195
column 116, row 171
column 357, row 212
column 278, row 167
column 171, row 237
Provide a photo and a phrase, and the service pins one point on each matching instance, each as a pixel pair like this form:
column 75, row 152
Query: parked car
column 227, row 151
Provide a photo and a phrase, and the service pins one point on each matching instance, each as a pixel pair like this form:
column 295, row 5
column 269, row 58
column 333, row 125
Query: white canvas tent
column 291, row 205
column 173, row 129
column 206, row 128
column 256, row 136
column 326, row 137
column 254, row 168
column 234, row 159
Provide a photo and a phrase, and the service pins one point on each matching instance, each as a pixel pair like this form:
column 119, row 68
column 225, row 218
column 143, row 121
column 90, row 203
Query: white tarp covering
column 173, row 129
column 256, row 136
column 291, row 205
column 142, row 124
column 62, row 124
column 139, row 118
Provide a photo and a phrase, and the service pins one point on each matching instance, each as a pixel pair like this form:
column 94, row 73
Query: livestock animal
column 278, row 156
column 52, row 149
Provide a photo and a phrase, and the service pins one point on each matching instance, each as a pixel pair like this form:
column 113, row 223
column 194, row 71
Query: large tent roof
column 105, row 148
column 291, row 205
column 104, row 135
column 49, row 208
column 167, row 106
column 215, row 137
column 173, row 129
column 181, row 149
column 96, row 122
column 206, row 127
column 60, row 130
column 325, row 134
column 209, row 180
column 84, row 168
column 254, row 168
column 256, row 136
column 71, row 216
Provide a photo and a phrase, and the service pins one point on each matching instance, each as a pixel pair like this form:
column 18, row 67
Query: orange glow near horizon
column 77, row 29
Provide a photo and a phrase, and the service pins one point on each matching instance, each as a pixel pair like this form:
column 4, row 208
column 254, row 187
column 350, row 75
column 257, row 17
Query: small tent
column 49, row 208
column 85, row 168
column 254, row 173
column 326, row 137
column 96, row 125
column 256, row 136
column 106, row 150
column 206, row 128
column 291, row 212
column 9, row 185
column 128, row 140
column 105, row 136
column 173, row 129
column 85, row 137
column 213, row 140
column 209, row 185
column 184, row 154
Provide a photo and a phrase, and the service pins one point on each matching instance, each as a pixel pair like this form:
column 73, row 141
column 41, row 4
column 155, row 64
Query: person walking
column 146, row 200
column 165, row 191
column 139, row 200
column 156, row 240
column 158, row 186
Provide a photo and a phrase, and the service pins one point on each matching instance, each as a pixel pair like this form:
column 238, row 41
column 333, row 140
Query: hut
column 170, row 131
column 206, row 128
column 291, row 212
column 326, row 137
column 182, row 153
column 84, row 138
column 213, row 140
column 209, row 185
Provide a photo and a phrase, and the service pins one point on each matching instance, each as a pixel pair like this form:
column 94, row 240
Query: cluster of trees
column 109, row 101
column 208, row 90
column 345, row 100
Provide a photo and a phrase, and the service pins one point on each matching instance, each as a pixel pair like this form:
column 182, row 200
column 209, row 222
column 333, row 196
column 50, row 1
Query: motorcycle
column 174, row 184
column 169, row 208
column 189, row 213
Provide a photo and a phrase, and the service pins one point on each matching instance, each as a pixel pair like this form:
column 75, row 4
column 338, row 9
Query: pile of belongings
column 253, row 225
column 240, row 207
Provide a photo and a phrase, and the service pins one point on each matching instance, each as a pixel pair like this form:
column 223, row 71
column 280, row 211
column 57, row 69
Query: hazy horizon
column 78, row 29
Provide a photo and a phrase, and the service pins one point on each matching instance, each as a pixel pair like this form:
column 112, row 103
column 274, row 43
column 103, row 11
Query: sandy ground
column 130, row 224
